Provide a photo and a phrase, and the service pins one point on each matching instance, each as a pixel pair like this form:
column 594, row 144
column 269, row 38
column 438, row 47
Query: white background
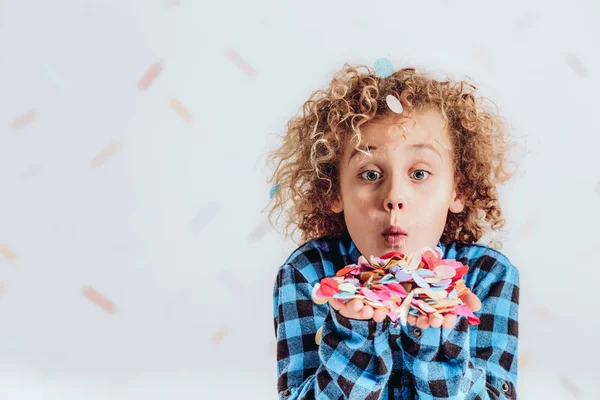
column 106, row 187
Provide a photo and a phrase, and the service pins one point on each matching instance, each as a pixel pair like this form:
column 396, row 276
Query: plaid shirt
column 375, row 360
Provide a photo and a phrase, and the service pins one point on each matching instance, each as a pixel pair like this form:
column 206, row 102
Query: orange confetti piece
column 180, row 109
column 542, row 312
column 239, row 62
column 524, row 359
column 23, row 120
column 7, row 253
column 150, row 75
column 99, row 299
column 220, row 335
column 105, row 154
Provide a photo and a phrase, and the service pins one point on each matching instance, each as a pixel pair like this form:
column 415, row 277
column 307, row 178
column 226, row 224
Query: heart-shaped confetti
column 420, row 284
column 394, row 104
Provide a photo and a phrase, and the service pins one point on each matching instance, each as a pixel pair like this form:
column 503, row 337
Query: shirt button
column 287, row 393
column 418, row 332
column 505, row 387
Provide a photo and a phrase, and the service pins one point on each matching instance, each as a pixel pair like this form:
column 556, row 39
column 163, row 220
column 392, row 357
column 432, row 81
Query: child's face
column 398, row 184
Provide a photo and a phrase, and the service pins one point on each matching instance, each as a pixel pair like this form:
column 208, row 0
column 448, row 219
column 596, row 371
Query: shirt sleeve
column 354, row 360
column 470, row 362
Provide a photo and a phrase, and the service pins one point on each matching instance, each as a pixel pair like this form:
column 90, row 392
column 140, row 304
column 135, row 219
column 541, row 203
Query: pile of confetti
column 420, row 284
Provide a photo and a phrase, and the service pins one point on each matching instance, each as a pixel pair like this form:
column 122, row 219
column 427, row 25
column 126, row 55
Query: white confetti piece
column 204, row 217
column 394, row 104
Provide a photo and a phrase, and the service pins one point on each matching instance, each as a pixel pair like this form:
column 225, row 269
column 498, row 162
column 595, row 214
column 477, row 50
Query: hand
column 356, row 309
column 425, row 321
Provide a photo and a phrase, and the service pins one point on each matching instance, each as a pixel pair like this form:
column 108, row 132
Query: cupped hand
column 449, row 320
column 356, row 309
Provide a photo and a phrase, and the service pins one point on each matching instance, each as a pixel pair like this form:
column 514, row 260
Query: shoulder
column 487, row 266
column 317, row 259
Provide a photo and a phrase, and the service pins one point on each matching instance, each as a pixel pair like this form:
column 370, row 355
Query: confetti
column 258, row 232
column 394, row 104
column 220, row 335
column 204, row 217
column 150, row 75
column 274, row 190
column 2, row 289
column 571, row 387
column 576, row 65
column 23, row 120
column 180, row 109
column 105, row 154
column 7, row 252
column 420, row 284
column 383, row 67
column 98, row 299
column 239, row 62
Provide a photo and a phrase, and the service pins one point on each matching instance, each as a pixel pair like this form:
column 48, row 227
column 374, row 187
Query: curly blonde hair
column 307, row 162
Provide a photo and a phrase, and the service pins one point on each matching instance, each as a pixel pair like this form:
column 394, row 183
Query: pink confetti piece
column 220, row 335
column 99, row 299
column 571, row 387
column 180, row 109
column 524, row 359
column 542, row 312
column 150, row 75
column 576, row 65
column 8, row 254
column 23, row 120
column 527, row 226
column 239, row 62
column 105, row 154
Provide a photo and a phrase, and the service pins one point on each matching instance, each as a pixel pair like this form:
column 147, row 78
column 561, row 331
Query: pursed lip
column 394, row 230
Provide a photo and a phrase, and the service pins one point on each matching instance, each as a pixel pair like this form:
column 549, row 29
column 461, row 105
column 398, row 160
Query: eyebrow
column 415, row 148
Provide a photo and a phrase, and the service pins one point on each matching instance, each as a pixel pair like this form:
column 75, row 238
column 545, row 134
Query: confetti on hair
column 239, row 62
column 394, row 104
column 105, row 154
column 274, row 190
column 150, row 75
column 99, row 299
column 23, row 120
column 421, row 284
column 383, row 67
column 7, row 252
column 180, row 109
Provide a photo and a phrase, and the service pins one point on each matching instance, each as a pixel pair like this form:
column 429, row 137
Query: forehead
column 425, row 131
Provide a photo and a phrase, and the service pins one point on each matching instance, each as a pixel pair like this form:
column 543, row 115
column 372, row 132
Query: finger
column 423, row 322
column 472, row 301
column 366, row 312
column 449, row 321
column 336, row 304
column 412, row 319
column 379, row 315
column 435, row 322
column 355, row 305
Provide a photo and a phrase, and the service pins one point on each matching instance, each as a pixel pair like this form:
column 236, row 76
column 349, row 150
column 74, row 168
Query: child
column 381, row 162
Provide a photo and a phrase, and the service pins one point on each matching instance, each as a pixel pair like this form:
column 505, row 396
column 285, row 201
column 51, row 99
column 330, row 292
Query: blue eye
column 370, row 176
column 420, row 170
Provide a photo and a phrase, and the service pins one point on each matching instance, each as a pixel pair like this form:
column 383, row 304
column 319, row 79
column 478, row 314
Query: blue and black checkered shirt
column 375, row 360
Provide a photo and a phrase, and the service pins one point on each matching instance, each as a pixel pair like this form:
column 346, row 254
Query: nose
column 394, row 197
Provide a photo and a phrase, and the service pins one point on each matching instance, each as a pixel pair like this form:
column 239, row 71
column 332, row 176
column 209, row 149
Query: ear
column 457, row 204
column 337, row 206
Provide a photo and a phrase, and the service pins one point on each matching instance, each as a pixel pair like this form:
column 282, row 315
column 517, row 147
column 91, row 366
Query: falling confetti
column 542, row 312
column 259, row 231
column 524, row 359
column 150, row 75
column 98, row 299
column 7, row 252
column 180, row 109
column 239, row 62
column 220, row 335
column 204, row 217
column 527, row 226
column 23, row 120
column 105, row 154
column 383, row 67
column 274, row 190
column 576, row 65
column 526, row 22
column 273, row 348
column 571, row 387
